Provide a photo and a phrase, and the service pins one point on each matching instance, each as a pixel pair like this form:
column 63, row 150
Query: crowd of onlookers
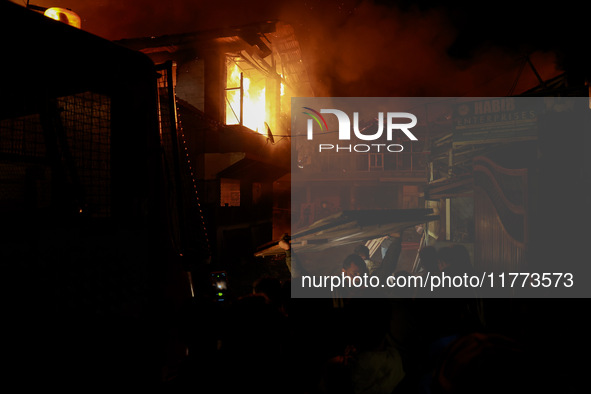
column 269, row 342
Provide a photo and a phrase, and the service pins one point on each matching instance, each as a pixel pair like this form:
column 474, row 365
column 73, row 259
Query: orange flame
column 253, row 97
column 63, row 15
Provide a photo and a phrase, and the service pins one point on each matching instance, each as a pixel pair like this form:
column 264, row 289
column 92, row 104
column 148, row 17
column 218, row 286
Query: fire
column 253, row 97
column 282, row 89
column 254, row 106
column 233, row 95
column 63, row 15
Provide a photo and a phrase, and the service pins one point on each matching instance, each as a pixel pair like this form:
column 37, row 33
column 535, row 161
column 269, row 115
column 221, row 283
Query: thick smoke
column 115, row 19
column 351, row 48
column 377, row 50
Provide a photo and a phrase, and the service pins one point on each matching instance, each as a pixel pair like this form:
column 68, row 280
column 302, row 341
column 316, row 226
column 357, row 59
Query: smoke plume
column 350, row 48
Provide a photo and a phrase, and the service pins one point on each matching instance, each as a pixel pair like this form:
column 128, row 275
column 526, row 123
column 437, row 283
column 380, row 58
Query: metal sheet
column 351, row 227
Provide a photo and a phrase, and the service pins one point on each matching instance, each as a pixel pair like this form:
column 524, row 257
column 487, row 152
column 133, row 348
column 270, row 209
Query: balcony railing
column 412, row 162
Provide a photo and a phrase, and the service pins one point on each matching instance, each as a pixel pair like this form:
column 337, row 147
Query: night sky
column 378, row 48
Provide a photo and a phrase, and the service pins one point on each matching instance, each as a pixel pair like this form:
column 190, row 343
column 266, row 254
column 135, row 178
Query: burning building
column 387, row 175
column 384, row 175
column 233, row 89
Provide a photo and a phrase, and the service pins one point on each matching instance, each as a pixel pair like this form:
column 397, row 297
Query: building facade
column 233, row 89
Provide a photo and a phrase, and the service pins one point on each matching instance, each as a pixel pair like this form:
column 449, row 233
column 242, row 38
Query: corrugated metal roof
column 359, row 226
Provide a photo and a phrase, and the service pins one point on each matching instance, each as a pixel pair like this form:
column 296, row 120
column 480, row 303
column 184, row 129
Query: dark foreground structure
column 88, row 248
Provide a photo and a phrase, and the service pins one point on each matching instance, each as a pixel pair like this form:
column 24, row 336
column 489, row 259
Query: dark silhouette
column 390, row 260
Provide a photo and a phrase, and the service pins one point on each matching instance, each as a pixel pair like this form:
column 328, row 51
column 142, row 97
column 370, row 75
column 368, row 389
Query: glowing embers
column 245, row 95
column 63, row 15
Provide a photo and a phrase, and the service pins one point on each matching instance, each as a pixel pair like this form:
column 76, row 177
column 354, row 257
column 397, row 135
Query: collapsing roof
column 348, row 228
column 354, row 227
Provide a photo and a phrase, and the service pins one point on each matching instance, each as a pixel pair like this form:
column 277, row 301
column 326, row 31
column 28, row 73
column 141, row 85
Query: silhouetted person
column 354, row 266
column 363, row 251
column 352, row 273
column 486, row 364
column 253, row 349
column 454, row 262
column 404, row 289
column 270, row 288
column 428, row 260
column 390, row 260
column 461, row 258
column 370, row 360
column 290, row 259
